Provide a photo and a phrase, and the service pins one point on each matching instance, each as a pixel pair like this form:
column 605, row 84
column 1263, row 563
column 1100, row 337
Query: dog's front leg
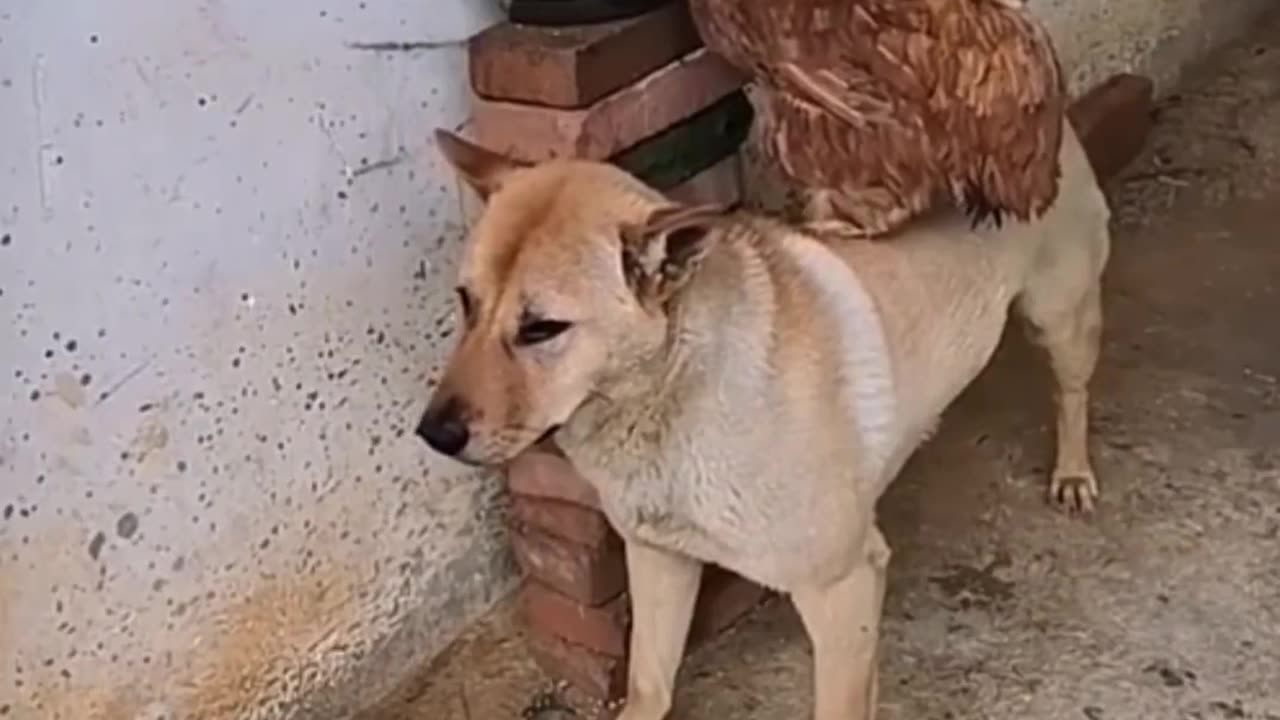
column 664, row 588
column 843, row 623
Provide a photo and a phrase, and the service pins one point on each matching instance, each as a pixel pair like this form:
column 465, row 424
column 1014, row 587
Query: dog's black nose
column 444, row 429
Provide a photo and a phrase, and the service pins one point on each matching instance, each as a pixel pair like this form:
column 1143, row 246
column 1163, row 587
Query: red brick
column 600, row 676
column 725, row 599
column 543, row 472
column 575, row 66
column 589, row 576
column 601, row 629
column 569, row 521
column 655, row 102
column 720, row 183
column 1113, row 120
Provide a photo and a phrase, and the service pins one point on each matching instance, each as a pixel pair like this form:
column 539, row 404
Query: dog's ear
column 660, row 254
column 484, row 170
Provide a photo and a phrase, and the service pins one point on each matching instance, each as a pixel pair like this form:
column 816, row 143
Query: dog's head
column 563, row 294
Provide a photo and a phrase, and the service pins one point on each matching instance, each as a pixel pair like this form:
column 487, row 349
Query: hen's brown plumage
column 879, row 108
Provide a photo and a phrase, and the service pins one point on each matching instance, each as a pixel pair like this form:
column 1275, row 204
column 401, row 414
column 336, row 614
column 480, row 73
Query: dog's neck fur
column 692, row 352
column 746, row 285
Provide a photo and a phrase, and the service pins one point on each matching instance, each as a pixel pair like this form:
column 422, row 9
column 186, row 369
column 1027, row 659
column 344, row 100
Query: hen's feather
column 887, row 106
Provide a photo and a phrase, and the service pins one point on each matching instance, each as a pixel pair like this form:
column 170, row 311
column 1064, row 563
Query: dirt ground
column 1166, row 604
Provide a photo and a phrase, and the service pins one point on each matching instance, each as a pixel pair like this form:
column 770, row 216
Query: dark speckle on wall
column 95, row 545
column 127, row 525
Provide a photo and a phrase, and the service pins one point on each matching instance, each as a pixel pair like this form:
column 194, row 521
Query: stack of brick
column 644, row 94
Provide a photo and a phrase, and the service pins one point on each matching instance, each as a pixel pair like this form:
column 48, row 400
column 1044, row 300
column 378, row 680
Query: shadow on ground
column 1164, row 605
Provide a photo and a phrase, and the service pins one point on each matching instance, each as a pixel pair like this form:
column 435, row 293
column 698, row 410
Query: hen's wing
column 888, row 104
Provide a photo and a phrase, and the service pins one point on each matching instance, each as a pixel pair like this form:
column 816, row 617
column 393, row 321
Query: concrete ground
column 1165, row 604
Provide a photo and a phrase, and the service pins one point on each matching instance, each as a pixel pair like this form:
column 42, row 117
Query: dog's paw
column 1074, row 492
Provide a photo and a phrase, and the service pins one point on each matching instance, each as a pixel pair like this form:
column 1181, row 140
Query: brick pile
column 644, row 94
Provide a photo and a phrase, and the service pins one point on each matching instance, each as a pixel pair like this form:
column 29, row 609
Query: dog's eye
column 538, row 331
column 464, row 300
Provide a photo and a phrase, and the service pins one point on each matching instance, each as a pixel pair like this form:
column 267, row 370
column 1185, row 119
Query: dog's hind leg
column 843, row 623
column 1071, row 335
column 664, row 589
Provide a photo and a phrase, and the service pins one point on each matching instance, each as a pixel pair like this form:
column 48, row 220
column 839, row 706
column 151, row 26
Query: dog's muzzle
column 444, row 429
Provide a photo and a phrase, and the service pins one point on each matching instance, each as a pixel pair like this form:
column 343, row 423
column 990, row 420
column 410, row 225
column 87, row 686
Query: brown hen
column 878, row 109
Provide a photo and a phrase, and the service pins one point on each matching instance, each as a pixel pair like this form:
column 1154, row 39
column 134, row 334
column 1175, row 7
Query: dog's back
column 943, row 288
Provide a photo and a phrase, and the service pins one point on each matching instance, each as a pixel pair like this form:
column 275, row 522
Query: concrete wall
column 225, row 271
column 226, row 248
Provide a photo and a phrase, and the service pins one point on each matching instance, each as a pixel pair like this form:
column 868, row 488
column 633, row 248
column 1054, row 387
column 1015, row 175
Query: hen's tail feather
column 980, row 209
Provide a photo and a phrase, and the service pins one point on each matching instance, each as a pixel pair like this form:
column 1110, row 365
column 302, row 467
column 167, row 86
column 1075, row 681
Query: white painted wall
column 226, row 247
column 226, row 260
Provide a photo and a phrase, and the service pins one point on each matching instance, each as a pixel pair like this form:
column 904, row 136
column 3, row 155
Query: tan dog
column 741, row 392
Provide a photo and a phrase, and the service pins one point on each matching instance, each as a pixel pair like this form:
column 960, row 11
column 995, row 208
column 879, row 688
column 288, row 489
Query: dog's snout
column 444, row 429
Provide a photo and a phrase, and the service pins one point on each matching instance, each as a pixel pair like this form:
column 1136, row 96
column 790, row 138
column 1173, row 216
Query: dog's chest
column 671, row 498
column 680, row 510
column 769, row 521
column 697, row 490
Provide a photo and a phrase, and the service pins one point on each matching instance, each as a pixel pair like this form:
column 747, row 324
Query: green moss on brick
column 674, row 155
